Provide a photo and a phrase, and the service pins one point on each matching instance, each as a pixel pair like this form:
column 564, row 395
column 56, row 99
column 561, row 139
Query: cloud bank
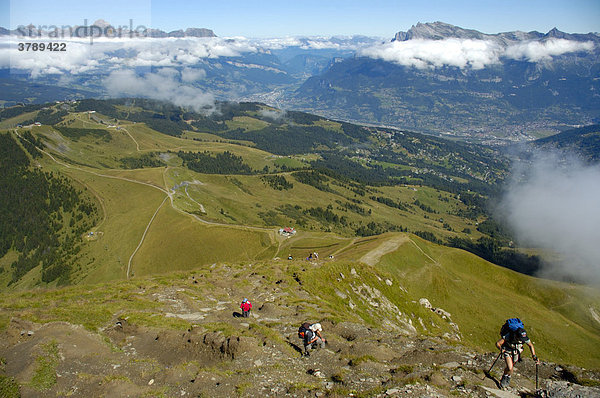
column 163, row 85
column 437, row 53
column 468, row 53
column 108, row 54
column 536, row 51
column 556, row 207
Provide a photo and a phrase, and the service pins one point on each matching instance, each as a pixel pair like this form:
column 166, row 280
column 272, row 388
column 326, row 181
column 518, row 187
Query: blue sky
column 284, row 18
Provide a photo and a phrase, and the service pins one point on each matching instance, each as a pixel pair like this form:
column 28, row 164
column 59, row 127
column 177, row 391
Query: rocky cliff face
column 199, row 32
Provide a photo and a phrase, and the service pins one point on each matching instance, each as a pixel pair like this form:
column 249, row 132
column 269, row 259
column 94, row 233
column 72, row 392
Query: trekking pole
column 495, row 360
column 536, row 377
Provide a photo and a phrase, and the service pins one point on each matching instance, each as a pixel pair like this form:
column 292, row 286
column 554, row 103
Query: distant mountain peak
column 441, row 30
column 101, row 23
column 554, row 32
column 199, row 32
column 436, row 31
column 150, row 32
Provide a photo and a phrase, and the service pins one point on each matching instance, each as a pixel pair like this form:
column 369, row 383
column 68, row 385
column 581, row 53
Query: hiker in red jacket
column 246, row 306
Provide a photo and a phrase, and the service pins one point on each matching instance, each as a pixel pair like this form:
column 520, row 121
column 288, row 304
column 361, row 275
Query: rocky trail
column 221, row 354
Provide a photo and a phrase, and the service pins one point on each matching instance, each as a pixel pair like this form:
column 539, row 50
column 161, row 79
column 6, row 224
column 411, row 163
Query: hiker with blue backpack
column 511, row 345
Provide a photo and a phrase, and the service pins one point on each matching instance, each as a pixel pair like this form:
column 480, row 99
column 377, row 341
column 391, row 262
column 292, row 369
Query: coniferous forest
column 42, row 216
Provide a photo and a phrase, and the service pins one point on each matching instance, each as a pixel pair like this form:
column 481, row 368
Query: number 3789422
column 42, row 46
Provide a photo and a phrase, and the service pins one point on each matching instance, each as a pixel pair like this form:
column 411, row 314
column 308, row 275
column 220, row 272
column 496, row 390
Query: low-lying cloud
column 556, row 207
column 110, row 54
column 273, row 114
column 437, row 53
column 469, row 53
column 163, row 85
column 190, row 75
column 536, row 51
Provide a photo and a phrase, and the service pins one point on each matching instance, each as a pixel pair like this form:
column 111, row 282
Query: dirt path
column 169, row 196
column 425, row 254
column 137, row 146
column 192, row 199
column 255, row 356
column 144, row 236
column 373, row 257
column 68, row 166
column 96, row 124
column 341, row 249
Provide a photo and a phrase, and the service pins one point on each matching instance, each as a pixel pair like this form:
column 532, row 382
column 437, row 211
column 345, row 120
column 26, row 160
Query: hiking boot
column 504, row 382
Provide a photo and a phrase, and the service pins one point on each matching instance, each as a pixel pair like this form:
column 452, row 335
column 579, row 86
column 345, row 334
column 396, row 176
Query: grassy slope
column 232, row 200
column 129, row 205
column 185, row 244
column 246, row 200
column 9, row 123
column 242, row 204
column 480, row 296
column 478, row 301
column 557, row 314
column 128, row 208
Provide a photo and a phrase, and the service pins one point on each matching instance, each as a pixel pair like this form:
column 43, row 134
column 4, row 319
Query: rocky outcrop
column 199, row 32
column 564, row 389
column 445, row 315
column 438, row 31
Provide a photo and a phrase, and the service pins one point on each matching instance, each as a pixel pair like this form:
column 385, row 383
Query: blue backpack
column 511, row 325
column 302, row 329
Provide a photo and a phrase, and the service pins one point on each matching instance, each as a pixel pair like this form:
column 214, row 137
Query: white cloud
column 461, row 53
column 556, row 207
column 315, row 42
column 467, row 53
column 77, row 59
column 274, row 114
column 535, row 51
column 162, row 85
column 278, row 43
column 190, row 75
column 105, row 53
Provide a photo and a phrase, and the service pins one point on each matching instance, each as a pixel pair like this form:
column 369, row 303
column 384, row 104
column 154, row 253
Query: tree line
column 221, row 163
column 41, row 215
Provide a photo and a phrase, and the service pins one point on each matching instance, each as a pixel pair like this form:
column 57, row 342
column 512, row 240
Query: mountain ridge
column 148, row 32
column 499, row 87
column 582, row 140
column 441, row 30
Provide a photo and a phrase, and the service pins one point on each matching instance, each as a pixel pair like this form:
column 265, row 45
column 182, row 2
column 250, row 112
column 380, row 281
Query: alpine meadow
column 380, row 207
